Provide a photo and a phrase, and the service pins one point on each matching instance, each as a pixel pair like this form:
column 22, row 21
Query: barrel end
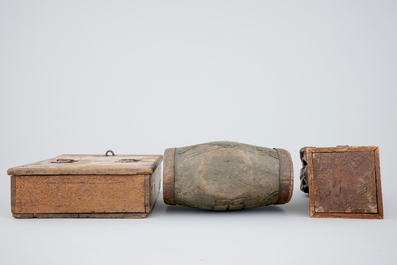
column 286, row 176
column 169, row 176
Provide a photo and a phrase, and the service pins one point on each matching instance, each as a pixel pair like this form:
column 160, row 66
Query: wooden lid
column 91, row 165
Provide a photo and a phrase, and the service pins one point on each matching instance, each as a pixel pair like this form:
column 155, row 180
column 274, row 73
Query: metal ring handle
column 109, row 151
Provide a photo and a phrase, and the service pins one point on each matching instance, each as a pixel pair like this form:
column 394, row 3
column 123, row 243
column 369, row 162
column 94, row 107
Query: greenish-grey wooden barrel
column 224, row 176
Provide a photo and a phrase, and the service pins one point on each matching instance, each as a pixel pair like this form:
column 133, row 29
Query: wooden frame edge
column 152, row 200
column 309, row 157
column 146, row 192
column 13, row 193
column 378, row 183
column 80, row 215
column 341, row 149
column 348, row 215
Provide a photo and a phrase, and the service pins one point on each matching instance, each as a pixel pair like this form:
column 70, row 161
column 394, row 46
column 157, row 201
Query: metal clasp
column 128, row 160
column 64, row 160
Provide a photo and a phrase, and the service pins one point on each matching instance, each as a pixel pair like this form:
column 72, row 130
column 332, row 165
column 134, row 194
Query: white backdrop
column 82, row 77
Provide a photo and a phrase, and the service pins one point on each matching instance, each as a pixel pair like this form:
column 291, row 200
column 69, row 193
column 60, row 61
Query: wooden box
column 343, row 181
column 86, row 186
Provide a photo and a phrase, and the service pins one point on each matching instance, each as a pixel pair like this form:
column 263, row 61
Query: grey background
column 140, row 76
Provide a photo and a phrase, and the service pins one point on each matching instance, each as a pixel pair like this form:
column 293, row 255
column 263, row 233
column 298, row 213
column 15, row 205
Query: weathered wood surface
column 169, row 176
column 344, row 182
column 79, row 194
column 379, row 197
column 91, row 165
column 95, row 194
column 227, row 176
column 153, row 188
column 286, row 176
column 80, row 215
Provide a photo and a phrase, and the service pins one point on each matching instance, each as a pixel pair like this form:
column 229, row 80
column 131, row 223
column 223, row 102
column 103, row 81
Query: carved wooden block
column 343, row 181
column 224, row 176
column 86, row 186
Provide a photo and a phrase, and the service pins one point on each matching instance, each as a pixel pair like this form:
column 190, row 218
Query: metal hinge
column 64, row 160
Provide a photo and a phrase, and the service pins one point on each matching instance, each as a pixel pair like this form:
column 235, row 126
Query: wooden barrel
column 224, row 176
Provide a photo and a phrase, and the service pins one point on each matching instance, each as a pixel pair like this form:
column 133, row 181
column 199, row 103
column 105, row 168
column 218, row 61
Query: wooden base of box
column 80, row 215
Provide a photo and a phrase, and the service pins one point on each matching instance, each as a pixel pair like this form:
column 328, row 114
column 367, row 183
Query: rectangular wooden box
column 86, row 186
column 343, row 181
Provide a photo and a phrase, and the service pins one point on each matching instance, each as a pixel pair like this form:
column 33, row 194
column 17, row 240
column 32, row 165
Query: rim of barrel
column 169, row 176
column 286, row 176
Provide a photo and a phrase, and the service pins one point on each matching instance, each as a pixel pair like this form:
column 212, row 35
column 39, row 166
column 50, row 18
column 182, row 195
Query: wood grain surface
column 91, row 165
column 344, row 182
column 223, row 176
column 80, row 215
column 169, row 176
column 379, row 197
column 286, row 176
column 89, row 186
column 154, row 188
column 79, row 194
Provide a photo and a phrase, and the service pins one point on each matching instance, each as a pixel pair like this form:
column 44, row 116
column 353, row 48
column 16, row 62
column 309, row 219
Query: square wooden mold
column 344, row 182
column 86, row 186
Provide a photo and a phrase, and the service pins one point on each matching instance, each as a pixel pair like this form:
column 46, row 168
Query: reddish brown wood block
column 86, row 186
column 343, row 182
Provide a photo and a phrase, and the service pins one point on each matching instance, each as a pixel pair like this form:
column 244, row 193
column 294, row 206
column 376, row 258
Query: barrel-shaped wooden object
column 224, row 176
